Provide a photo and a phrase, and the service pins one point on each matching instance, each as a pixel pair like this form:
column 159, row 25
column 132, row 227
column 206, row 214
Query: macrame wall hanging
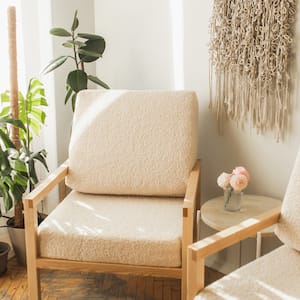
column 250, row 53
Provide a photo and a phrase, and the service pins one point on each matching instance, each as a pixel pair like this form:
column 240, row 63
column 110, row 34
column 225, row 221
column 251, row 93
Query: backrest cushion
column 288, row 228
column 133, row 142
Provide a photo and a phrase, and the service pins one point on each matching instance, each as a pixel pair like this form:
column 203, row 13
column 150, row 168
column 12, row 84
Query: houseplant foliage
column 18, row 166
column 85, row 48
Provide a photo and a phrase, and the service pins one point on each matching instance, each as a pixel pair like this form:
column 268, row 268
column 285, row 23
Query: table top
column 214, row 215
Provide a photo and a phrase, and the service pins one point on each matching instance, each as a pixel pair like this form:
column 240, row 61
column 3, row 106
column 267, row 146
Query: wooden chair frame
column 200, row 250
column 35, row 262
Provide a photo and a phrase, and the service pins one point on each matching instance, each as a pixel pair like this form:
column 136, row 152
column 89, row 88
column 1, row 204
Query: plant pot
column 17, row 237
column 4, row 249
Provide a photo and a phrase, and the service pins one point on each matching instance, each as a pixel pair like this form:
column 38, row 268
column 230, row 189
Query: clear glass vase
column 232, row 200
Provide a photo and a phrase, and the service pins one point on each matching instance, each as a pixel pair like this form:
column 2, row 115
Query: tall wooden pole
column 12, row 43
column 13, row 71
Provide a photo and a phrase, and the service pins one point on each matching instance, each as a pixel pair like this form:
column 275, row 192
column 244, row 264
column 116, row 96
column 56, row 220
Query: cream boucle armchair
column 273, row 276
column 134, row 177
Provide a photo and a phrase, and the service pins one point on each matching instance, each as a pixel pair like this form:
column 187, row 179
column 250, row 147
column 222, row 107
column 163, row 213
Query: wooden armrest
column 192, row 188
column 234, row 234
column 47, row 185
column 188, row 214
column 198, row 251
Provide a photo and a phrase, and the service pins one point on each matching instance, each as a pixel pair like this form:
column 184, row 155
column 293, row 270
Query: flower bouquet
column 233, row 184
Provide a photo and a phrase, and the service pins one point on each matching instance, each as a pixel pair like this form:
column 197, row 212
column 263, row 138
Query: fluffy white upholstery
column 133, row 142
column 128, row 230
column 288, row 228
column 274, row 276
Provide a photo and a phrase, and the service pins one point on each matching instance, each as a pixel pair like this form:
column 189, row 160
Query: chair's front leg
column 31, row 224
column 195, row 275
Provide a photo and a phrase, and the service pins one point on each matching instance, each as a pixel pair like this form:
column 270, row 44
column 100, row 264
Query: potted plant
column 84, row 48
column 4, row 249
column 18, row 166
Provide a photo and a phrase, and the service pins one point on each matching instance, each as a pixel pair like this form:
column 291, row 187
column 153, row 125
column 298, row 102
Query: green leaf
column 4, row 164
column 35, row 83
column 96, row 80
column 41, row 157
column 9, row 182
column 55, row 63
column 35, row 126
column 5, row 111
column 18, row 165
column 8, row 203
column 39, row 102
column 19, row 188
column 75, row 22
column 32, row 172
column 67, row 45
column 92, row 50
column 90, row 36
column 57, row 31
column 5, row 97
column 76, row 43
column 77, row 80
column 69, row 93
column 39, row 115
column 15, row 122
column 12, row 153
column 88, row 53
column 74, row 101
column 6, row 140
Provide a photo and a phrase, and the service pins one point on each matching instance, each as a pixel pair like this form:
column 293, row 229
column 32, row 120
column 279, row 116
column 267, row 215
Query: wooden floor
column 64, row 285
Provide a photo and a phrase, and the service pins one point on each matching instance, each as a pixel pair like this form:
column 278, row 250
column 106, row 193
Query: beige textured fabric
column 128, row 230
column 133, row 142
column 271, row 277
column 288, row 228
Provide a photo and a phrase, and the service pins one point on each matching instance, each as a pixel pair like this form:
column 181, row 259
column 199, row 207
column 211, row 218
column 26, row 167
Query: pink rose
column 241, row 171
column 223, row 180
column 238, row 181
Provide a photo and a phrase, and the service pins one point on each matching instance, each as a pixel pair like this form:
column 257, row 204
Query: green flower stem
column 228, row 195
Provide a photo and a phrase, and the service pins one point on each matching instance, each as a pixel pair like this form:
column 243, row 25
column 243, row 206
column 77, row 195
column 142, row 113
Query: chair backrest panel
column 288, row 228
column 133, row 142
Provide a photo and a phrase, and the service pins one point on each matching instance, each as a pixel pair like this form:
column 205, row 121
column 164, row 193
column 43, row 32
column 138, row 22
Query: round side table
column 215, row 216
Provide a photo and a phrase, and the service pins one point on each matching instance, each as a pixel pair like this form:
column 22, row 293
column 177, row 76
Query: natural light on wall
column 4, row 61
column 177, row 39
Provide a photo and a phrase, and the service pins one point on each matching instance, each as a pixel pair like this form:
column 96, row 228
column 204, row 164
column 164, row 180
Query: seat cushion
column 288, row 227
column 133, row 142
column 113, row 229
column 273, row 276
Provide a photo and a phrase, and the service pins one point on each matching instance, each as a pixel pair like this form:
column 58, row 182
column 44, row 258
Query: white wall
column 138, row 36
column 139, row 55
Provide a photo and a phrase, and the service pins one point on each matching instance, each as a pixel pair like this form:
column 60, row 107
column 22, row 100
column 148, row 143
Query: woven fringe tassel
column 249, row 57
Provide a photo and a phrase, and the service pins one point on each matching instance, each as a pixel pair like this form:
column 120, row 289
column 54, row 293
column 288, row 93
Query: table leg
column 198, row 224
column 258, row 244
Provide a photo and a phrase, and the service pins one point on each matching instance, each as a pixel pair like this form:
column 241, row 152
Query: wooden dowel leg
column 258, row 244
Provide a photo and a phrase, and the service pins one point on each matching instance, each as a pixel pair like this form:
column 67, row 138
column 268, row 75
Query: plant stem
column 18, row 222
column 74, row 50
column 82, row 65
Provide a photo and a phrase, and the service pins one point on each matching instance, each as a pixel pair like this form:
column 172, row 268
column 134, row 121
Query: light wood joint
column 185, row 212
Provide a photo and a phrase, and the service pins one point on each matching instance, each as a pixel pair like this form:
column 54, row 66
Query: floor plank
column 59, row 285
